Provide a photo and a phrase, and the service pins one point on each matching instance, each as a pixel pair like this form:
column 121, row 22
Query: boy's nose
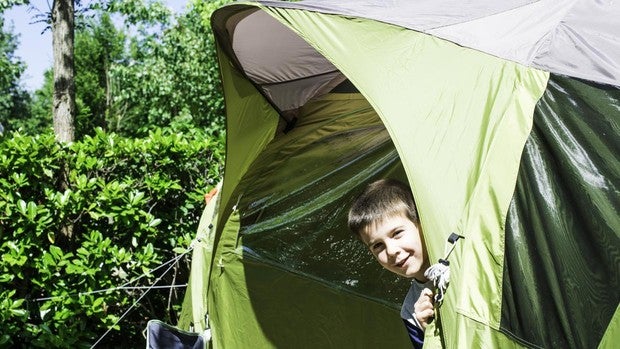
column 392, row 250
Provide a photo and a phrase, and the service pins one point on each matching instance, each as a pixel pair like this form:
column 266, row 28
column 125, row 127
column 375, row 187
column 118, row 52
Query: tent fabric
column 460, row 142
column 562, row 237
column 271, row 246
column 338, row 144
column 574, row 38
column 288, row 78
column 251, row 123
column 578, row 38
column 195, row 299
column 278, row 268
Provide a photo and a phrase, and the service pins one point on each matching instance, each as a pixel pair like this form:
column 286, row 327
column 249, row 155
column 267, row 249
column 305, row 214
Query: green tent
column 504, row 117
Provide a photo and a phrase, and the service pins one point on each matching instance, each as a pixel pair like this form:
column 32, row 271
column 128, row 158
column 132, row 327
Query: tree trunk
column 108, row 98
column 64, row 91
column 64, row 70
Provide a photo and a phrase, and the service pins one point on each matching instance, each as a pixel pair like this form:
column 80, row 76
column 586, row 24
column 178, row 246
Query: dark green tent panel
column 562, row 243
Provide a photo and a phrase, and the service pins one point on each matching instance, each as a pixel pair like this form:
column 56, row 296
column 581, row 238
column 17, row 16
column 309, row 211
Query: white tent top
column 578, row 38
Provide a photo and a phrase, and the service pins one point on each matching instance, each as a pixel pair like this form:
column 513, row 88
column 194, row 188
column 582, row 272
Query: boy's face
column 398, row 246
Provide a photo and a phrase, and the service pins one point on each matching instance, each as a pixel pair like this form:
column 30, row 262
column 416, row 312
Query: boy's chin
column 414, row 274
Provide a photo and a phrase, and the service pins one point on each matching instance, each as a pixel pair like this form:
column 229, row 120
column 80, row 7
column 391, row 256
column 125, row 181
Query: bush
column 132, row 205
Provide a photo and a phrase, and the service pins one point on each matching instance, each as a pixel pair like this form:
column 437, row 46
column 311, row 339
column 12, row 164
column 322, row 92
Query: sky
column 35, row 47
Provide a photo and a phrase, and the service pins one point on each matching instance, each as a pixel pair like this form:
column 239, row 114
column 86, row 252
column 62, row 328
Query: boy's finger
column 423, row 303
column 427, row 292
column 427, row 305
column 426, row 315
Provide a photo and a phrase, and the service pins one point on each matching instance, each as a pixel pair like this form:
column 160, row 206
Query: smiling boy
column 384, row 217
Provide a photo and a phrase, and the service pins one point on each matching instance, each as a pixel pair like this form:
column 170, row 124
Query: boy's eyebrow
column 369, row 243
column 373, row 241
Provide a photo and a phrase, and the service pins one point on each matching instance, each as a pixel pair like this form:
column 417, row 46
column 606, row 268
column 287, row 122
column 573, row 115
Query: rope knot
column 439, row 273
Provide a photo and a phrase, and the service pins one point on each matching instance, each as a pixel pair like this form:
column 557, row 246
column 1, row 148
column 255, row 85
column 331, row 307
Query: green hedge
column 132, row 205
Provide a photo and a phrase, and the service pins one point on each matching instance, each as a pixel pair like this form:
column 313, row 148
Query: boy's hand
column 423, row 309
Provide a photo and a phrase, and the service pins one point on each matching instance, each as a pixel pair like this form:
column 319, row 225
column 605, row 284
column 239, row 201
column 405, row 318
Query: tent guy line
column 175, row 260
column 112, row 289
column 125, row 285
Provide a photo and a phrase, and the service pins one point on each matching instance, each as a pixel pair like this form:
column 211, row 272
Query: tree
column 63, row 25
column 40, row 118
column 98, row 45
column 170, row 78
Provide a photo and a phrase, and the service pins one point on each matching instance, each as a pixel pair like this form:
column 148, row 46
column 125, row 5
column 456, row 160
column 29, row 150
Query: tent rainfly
column 503, row 116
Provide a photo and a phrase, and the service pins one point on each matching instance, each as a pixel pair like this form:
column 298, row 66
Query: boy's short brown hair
column 380, row 199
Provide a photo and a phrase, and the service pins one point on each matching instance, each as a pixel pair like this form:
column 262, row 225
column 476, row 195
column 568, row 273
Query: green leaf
column 64, row 198
column 22, row 206
column 48, row 260
column 19, row 179
column 48, row 173
column 56, row 252
column 31, row 211
column 83, row 252
column 97, row 303
column 135, row 197
column 16, row 304
column 19, row 312
column 13, row 246
column 179, row 250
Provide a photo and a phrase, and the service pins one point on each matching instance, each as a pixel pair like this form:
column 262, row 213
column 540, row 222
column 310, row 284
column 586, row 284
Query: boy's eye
column 397, row 232
column 377, row 247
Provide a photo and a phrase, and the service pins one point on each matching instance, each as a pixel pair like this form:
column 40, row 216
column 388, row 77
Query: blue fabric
column 163, row 336
column 415, row 334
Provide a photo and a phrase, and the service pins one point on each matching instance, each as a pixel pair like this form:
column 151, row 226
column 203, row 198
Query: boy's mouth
column 402, row 262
